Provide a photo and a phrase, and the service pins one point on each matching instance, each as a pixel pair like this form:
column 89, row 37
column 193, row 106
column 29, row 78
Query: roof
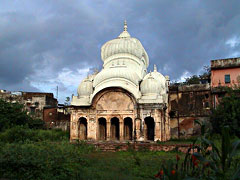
column 225, row 63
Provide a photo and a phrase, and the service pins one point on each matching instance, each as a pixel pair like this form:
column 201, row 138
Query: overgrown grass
column 22, row 134
column 48, row 154
column 62, row 160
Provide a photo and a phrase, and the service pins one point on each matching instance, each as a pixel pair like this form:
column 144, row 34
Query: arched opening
column 149, row 128
column 82, row 128
column 102, row 128
column 114, row 128
column 128, row 128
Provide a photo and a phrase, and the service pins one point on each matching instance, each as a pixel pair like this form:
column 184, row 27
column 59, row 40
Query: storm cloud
column 45, row 44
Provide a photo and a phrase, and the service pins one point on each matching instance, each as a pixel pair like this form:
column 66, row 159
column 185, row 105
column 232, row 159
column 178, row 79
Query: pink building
column 224, row 72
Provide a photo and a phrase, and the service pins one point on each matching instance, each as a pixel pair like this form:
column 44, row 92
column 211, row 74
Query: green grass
column 62, row 160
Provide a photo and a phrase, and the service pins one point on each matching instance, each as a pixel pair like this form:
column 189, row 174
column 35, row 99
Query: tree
column 13, row 114
column 67, row 101
column 194, row 79
column 227, row 113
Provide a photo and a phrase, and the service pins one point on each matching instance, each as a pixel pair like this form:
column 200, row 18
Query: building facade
column 188, row 103
column 224, row 73
column 34, row 102
column 122, row 101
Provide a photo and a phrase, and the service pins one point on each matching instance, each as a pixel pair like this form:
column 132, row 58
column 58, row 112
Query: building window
column 227, row 78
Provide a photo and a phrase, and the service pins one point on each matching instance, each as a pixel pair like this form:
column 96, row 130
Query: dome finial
column 155, row 68
column 125, row 26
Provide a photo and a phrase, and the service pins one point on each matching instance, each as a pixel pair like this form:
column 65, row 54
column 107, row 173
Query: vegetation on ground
column 211, row 159
column 227, row 113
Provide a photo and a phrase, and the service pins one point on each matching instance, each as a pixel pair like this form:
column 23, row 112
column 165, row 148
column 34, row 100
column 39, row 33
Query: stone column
column 108, row 129
column 138, row 131
column 157, row 131
column 145, row 131
column 121, row 129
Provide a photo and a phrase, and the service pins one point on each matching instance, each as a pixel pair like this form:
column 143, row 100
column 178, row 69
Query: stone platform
column 113, row 146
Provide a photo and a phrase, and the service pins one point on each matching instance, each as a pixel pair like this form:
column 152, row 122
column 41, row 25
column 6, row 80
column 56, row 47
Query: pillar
column 108, row 124
column 138, row 129
column 121, row 129
column 157, row 131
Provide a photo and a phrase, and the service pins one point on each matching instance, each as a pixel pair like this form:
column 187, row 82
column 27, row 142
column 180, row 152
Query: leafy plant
column 206, row 160
column 227, row 112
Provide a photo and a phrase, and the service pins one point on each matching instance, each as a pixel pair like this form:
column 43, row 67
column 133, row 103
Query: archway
column 102, row 128
column 149, row 128
column 128, row 128
column 82, row 129
column 114, row 128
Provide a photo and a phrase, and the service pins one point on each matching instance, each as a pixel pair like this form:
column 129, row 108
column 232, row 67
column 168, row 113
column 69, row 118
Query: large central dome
column 124, row 45
column 125, row 66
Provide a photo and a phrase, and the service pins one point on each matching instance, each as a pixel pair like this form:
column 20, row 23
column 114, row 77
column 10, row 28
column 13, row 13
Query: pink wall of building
column 218, row 75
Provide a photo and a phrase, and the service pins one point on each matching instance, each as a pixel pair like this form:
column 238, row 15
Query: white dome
column 160, row 79
column 85, row 88
column 150, row 85
column 110, row 73
column 124, row 44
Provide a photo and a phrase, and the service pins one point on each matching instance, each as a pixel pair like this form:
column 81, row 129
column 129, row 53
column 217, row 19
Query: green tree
column 194, row 79
column 67, row 101
column 227, row 113
column 13, row 114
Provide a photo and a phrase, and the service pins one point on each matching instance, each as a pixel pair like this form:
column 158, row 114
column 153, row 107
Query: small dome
column 150, row 86
column 124, row 44
column 85, row 88
column 123, row 72
column 159, row 77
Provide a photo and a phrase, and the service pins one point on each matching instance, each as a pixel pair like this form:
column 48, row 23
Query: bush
column 208, row 160
column 23, row 133
column 42, row 161
column 227, row 113
column 13, row 114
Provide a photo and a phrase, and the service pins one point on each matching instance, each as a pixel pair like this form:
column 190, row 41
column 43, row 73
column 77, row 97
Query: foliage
column 194, row 79
column 63, row 160
column 13, row 114
column 207, row 160
column 42, row 160
column 67, row 101
column 227, row 113
column 22, row 134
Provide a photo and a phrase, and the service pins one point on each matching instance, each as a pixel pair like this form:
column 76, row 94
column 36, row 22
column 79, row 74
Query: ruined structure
column 188, row 103
column 34, row 102
column 122, row 101
column 57, row 117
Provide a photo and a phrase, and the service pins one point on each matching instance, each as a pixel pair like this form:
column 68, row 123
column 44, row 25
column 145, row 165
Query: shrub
column 207, row 160
column 227, row 113
column 13, row 114
column 23, row 133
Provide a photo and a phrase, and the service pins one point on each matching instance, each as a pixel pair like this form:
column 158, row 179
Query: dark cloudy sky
column 50, row 43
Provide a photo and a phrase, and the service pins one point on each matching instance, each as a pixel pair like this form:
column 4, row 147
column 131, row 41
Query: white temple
column 123, row 101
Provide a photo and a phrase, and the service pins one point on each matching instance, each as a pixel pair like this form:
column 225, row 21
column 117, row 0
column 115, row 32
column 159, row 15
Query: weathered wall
column 218, row 77
column 186, row 104
column 55, row 119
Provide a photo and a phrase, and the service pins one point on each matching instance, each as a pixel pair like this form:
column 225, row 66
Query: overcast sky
column 50, row 43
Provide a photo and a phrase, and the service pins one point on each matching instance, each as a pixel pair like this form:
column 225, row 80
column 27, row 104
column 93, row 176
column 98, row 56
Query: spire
column 124, row 34
column 155, row 68
column 125, row 26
